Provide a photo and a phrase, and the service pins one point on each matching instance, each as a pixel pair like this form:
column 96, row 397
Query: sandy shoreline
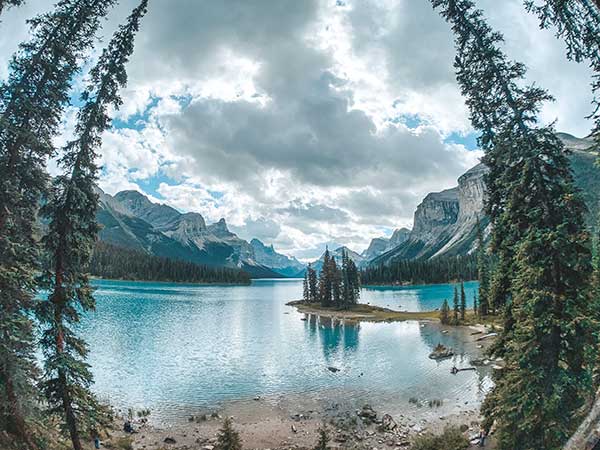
column 269, row 427
column 288, row 421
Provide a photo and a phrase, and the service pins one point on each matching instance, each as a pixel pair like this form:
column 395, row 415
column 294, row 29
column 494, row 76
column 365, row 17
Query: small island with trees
column 335, row 292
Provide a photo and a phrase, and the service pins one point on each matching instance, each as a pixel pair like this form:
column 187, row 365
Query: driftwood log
column 587, row 435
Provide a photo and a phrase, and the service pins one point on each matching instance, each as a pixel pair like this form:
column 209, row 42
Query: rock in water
column 441, row 352
column 333, row 369
column 367, row 414
column 388, row 423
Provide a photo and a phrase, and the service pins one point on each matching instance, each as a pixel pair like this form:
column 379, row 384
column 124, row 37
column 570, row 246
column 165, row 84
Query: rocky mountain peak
column 381, row 245
column 445, row 222
column 266, row 255
column 437, row 210
column 220, row 228
column 399, row 236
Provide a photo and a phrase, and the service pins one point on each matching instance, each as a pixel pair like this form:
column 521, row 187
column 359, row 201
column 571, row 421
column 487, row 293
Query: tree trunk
column 16, row 422
column 69, row 414
column 588, row 434
column 60, row 348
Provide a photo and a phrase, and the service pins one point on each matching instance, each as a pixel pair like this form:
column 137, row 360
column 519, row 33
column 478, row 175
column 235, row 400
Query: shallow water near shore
column 183, row 349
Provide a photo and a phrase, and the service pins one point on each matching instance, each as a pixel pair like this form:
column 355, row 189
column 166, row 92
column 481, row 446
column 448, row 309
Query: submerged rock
column 333, row 369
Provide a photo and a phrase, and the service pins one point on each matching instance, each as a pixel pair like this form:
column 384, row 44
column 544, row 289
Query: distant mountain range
column 381, row 244
column 130, row 219
column 444, row 225
column 445, row 222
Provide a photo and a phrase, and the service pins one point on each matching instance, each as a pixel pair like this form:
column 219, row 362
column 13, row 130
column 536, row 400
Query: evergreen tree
column 578, row 24
column 463, row 301
column 475, row 305
column 445, row 313
column 72, row 229
column 323, row 442
column 228, row 438
column 313, row 284
column 353, row 282
column 596, row 261
column 483, row 271
column 5, row 4
column 325, row 293
column 32, row 100
column 336, row 283
column 456, row 307
column 305, row 289
column 539, row 235
column 347, row 292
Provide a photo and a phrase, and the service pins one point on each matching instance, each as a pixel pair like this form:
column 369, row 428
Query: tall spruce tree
column 325, row 294
column 455, row 307
column 353, row 281
column 483, row 271
column 346, row 287
column 475, row 305
column 305, row 288
column 445, row 313
column 335, row 275
column 313, row 284
column 31, row 105
column 72, row 231
column 463, row 301
column 596, row 261
column 538, row 227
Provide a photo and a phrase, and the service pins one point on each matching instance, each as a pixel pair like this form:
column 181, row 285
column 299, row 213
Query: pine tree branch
column 9, row 3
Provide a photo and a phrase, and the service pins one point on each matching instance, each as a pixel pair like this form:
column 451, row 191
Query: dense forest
column 423, row 271
column 115, row 262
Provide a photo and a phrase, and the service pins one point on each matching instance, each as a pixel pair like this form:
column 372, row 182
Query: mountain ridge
column 445, row 222
column 129, row 219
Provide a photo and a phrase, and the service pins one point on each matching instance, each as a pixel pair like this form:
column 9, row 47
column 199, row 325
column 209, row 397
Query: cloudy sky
column 304, row 123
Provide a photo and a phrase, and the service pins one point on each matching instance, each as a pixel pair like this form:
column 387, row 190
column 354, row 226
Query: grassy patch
column 370, row 313
column 364, row 312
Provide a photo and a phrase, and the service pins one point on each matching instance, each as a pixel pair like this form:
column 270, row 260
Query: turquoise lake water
column 179, row 349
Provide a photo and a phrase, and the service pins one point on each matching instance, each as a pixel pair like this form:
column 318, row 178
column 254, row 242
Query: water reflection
column 337, row 337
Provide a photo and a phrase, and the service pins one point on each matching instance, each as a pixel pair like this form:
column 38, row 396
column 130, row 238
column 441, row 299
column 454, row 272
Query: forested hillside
column 114, row 262
column 422, row 271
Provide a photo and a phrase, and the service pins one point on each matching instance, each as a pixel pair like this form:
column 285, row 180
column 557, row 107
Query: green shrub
column 228, row 438
column 450, row 439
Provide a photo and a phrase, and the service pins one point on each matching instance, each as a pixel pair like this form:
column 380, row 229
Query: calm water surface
column 179, row 349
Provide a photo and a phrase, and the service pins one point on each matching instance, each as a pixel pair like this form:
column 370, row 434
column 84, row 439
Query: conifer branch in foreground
column 72, row 232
